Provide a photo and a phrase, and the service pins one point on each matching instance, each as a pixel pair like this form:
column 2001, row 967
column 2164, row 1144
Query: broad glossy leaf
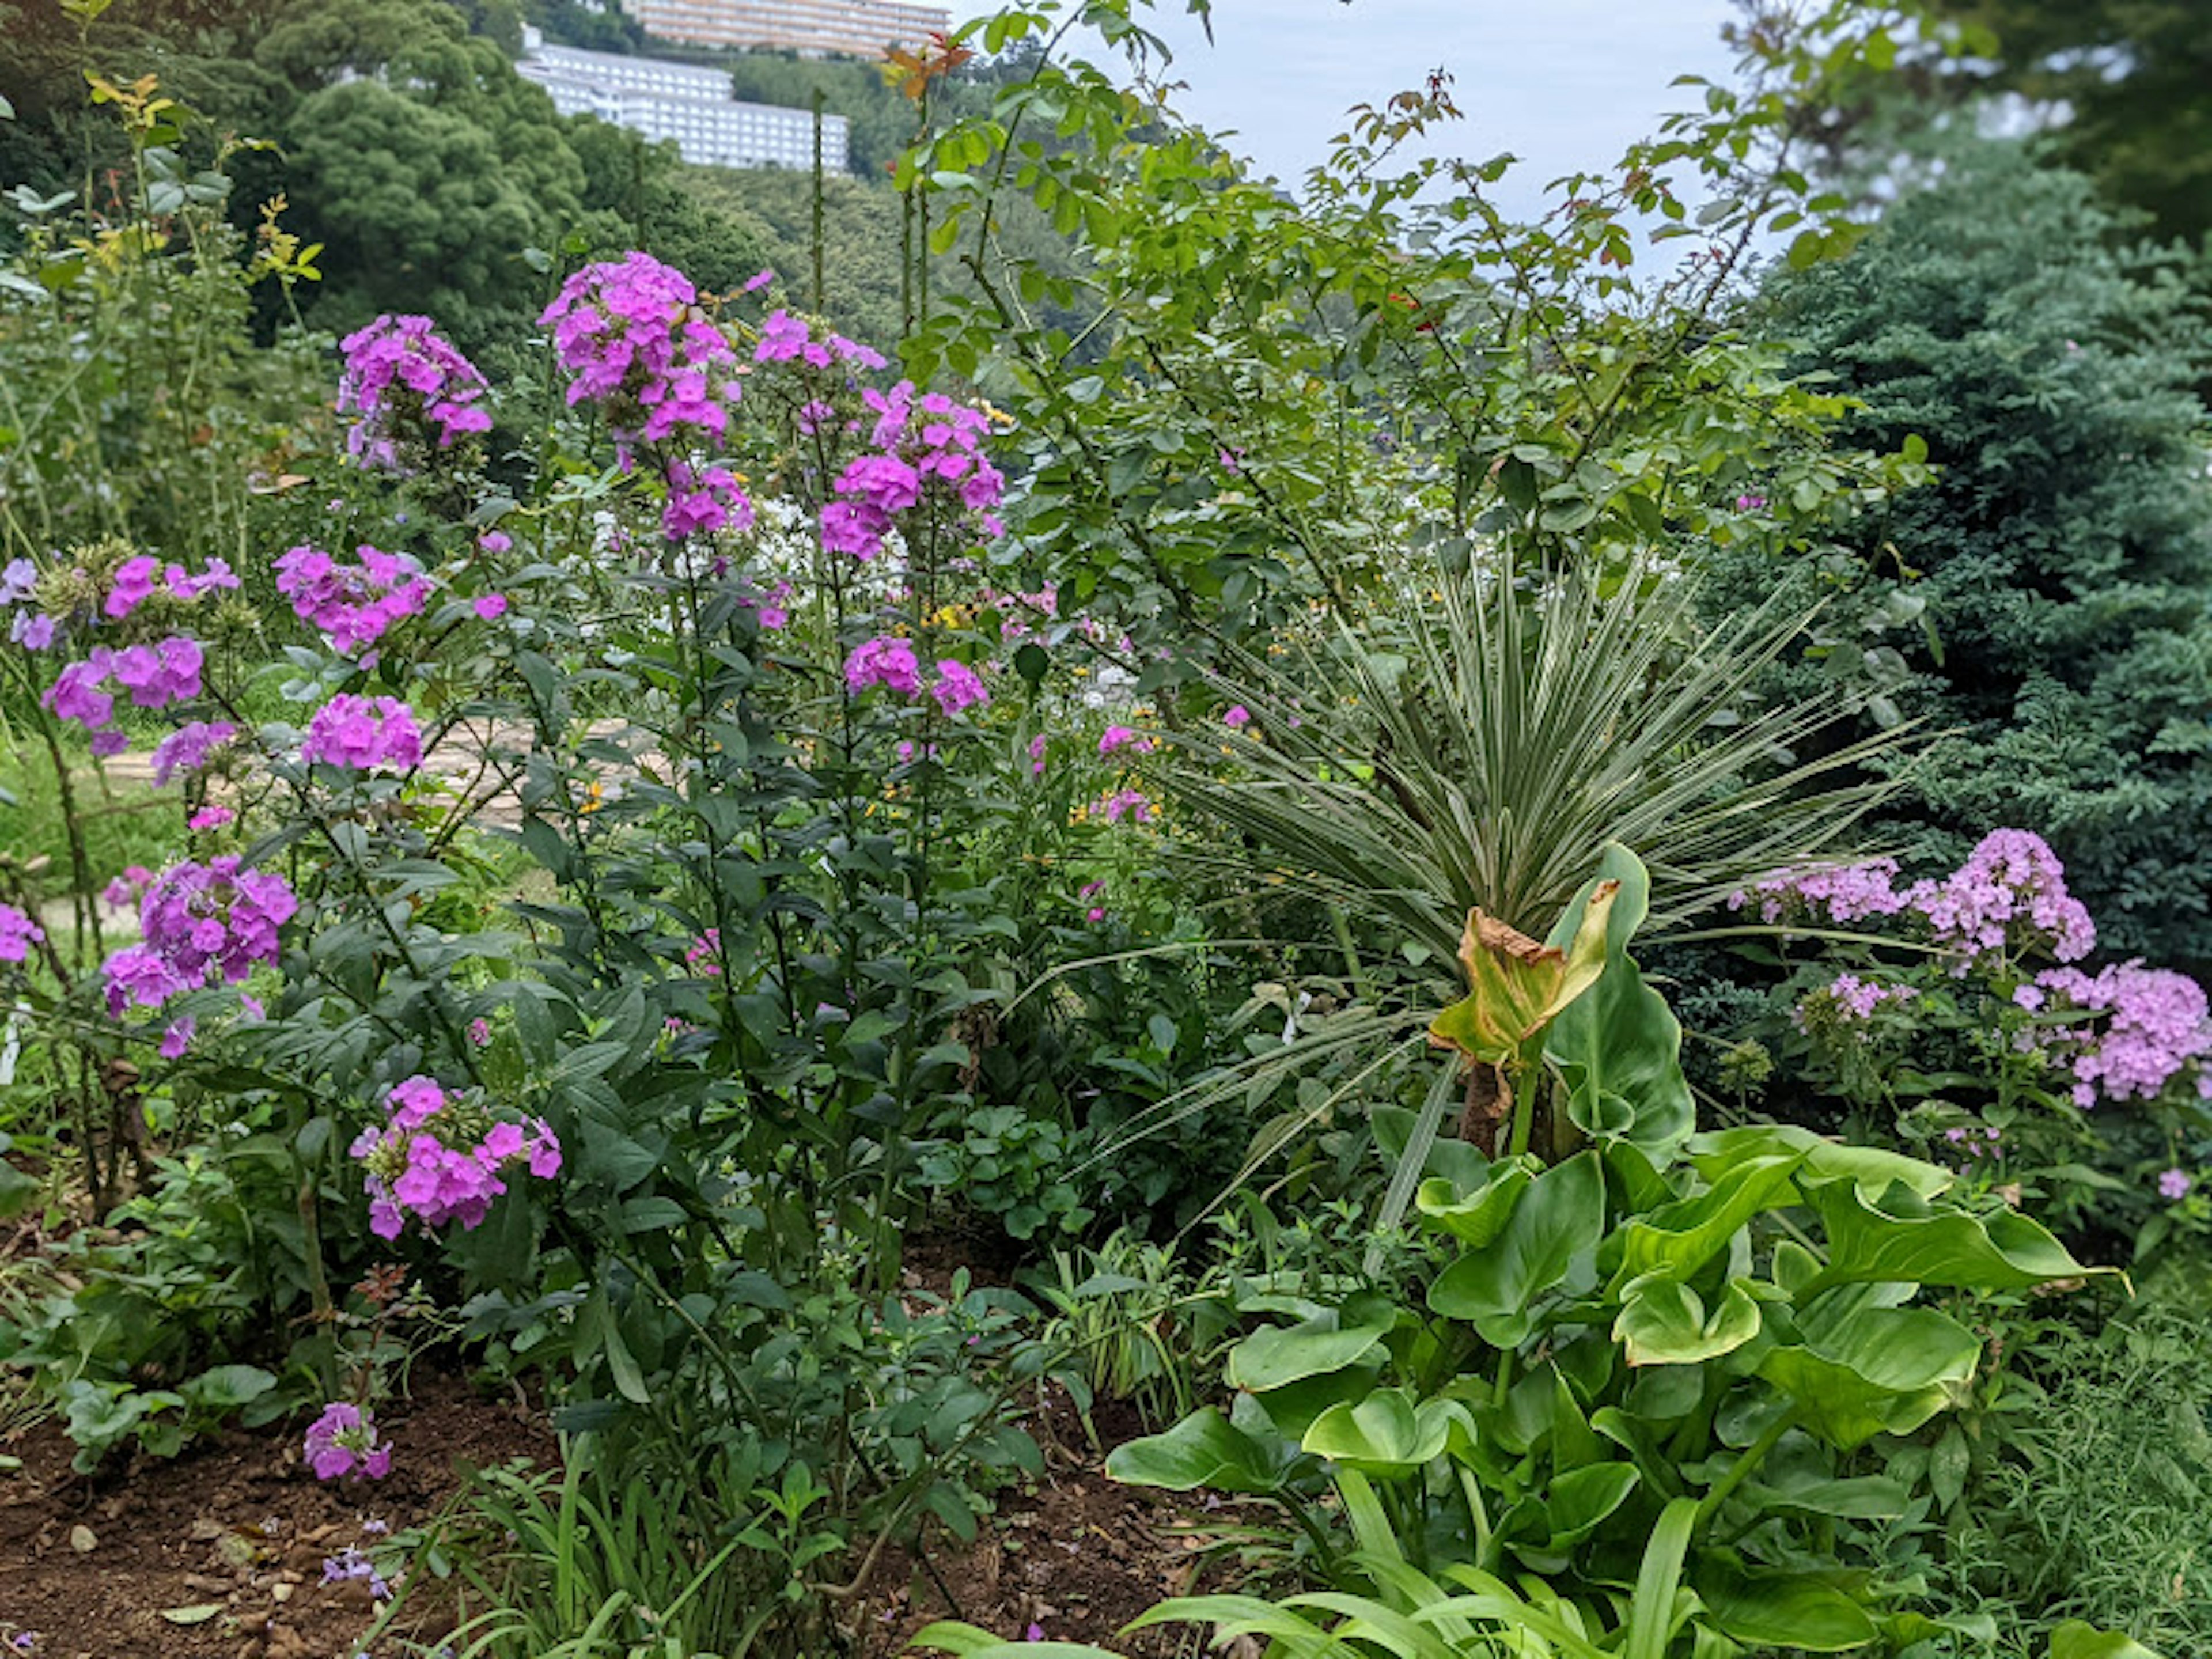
column 1876, row 1371
column 1581, row 1500
column 1561, row 1216
column 1203, row 1449
column 1717, row 1150
column 1868, row 1242
column 1619, row 1046
column 1859, row 1497
column 1680, row 1237
column 1477, row 1218
column 1517, row 987
column 1794, row 1611
column 1283, row 1354
column 1664, row 1323
column 1388, row 1434
column 2078, row 1639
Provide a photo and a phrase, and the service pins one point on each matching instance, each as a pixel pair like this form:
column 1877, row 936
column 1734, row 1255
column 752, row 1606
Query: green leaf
column 1664, row 1323
column 1561, row 1216
column 1875, row 1370
column 2075, row 1640
column 198, row 1613
column 1580, row 1500
column 226, row 1387
column 1516, row 987
column 1203, row 1450
column 1478, row 1218
column 1800, row 1612
column 1716, row 1151
column 1388, row 1433
column 1868, row 1244
column 1678, row 1239
column 1280, row 1354
column 1619, row 1046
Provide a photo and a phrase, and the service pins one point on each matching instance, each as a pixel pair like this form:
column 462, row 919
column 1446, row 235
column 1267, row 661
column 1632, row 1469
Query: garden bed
column 221, row 1551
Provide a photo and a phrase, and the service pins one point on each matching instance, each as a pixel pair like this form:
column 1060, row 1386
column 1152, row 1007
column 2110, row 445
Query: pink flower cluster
column 187, row 748
column 352, row 605
column 702, row 500
column 889, row 660
column 402, row 379
column 1132, row 804
column 2009, row 896
column 925, row 438
column 362, row 733
column 196, row 919
column 1854, row 999
column 443, row 1159
column 1118, row 737
column 138, row 579
column 704, row 953
column 343, row 1441
column 631, row 336
column 18, row 933
column 2158, row 1027
column 153, row 676
column 785, row 339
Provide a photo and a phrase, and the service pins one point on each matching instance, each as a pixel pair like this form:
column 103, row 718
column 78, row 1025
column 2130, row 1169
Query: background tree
column 2065, row 548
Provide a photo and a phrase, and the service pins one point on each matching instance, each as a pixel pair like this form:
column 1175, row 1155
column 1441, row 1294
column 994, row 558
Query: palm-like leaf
column 1477, row 746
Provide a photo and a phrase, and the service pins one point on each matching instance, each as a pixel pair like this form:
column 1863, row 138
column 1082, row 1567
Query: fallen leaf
column 198, row 1613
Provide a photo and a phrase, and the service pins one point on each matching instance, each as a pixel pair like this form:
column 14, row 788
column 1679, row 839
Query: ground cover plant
column 864, row 933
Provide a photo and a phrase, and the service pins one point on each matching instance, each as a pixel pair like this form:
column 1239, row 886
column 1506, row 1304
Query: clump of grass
column 2098, row 1511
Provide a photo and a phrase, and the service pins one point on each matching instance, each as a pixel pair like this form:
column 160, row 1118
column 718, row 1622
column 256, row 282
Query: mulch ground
column 220, row 1553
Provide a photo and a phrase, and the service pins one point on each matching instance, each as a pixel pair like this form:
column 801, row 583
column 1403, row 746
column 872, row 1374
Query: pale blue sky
column 1564, row 84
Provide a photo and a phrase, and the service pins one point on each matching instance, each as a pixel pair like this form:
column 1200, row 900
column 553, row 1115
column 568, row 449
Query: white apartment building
column 851, row 28
column 661, row 99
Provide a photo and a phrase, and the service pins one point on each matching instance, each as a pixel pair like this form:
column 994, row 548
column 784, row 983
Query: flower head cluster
column 443, row 1158
column 2173, row 1185
column 195, row 920
column 701, row 501
column 2009, row 894
column 18, row 933
column 922, row 440
column 1849, row 892
column 140, row 578
column 343, row 1441
column 889, row 661
column 188, row 747
column 350, row 1565
column 704, row 954
column 2158, row 1027
column 1853, row 999
column 152, row 676
column 785, row 339
column 353, row 603
column 630, row 333
column 403, row 379
column 1118, row 737
column 29, row 626
column 362, row 733
column 1132, row 804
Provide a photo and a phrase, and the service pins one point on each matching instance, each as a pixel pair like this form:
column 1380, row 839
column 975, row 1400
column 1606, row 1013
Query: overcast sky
column 1563, row 84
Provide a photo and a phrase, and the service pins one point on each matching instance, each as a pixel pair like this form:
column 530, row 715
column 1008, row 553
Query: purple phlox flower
column 135, row 580
column 363, row 733
column 2174, row 1184
column 18, row 933
column 887, row 660
column 188, row 747
column 2010, row 894
column 211, row 818
column 343, row 1441
column 410, row 389
column 1132, row 804
column 2156, row 1028
column 199, row 921
column 958, row 687
column 1037, row 747
column 31, row 629
column 19, row 580
column 1118, row 737
column 1237, row 718
column 490, row 607
column 701, row 502
column 352, row 605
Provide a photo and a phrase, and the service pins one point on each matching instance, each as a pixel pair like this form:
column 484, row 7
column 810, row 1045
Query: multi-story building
column 853, row 29
column 682, row 101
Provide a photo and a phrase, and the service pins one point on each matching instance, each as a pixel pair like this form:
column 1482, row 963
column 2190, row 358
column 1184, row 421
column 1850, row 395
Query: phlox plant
column 1960, row 1013
column 789, row 789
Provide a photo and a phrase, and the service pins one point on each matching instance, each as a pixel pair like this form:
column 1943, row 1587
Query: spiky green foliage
column 1478, row 745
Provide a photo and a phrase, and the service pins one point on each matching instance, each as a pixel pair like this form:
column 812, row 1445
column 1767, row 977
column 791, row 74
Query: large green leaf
column 1664, row 1323
column 1799, row 1612
column 1679, row 1238
column 1281, row 1354
column 1716, row 1151
column 1619, row 1046
column 1580, row 1500
column 1204, row 1450
column 2076, row 1639
column 1388, row 1434
column 1869, row 1241
column 1480, row 1216
column 1560, row 1217
column 1875, row 1370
